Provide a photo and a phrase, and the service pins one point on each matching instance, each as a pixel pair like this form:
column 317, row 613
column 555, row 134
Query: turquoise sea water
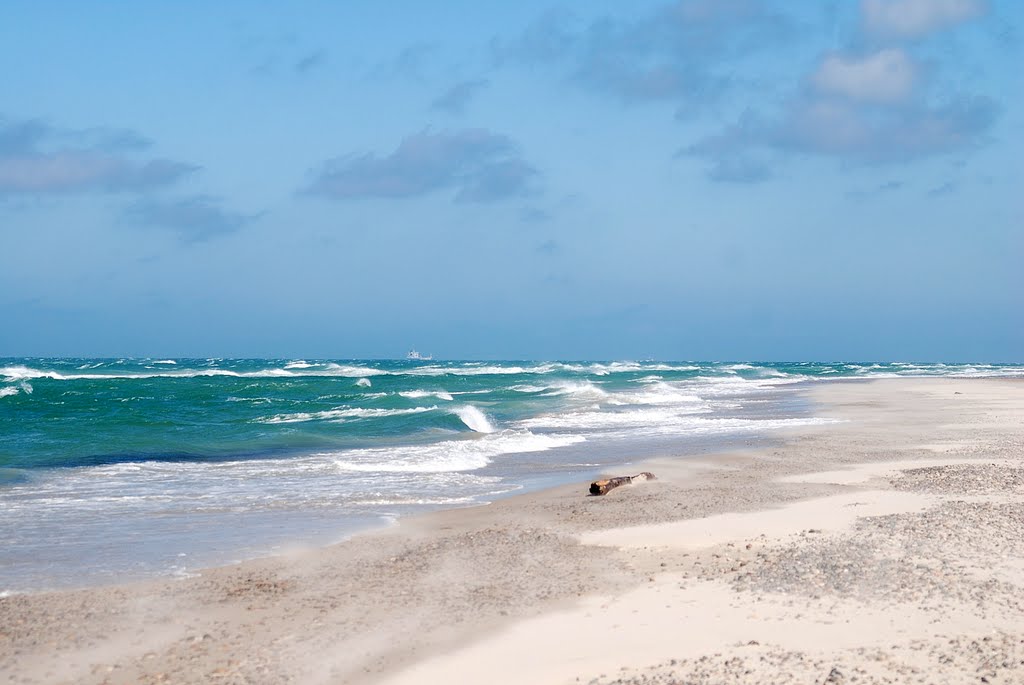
column 113, row 469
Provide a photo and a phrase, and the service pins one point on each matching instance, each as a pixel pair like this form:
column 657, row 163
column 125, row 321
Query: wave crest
column 342, row 413
column 474, row 419
column 450, row 455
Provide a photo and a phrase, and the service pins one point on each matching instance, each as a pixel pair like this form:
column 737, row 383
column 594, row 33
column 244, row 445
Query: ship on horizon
column 414, row 355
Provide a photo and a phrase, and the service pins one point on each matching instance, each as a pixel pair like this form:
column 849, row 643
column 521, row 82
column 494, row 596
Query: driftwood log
column 601, row 487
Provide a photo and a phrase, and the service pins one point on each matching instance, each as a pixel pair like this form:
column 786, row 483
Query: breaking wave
column 419, row 394
column 341, row 414
column 474, row 419
column 450, row 455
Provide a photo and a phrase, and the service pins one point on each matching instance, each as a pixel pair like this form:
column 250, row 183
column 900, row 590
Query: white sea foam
column 659, row 393
column 726, row 386
column 595, row 418
column 660, row 422
column 8, row 391
column 298, row 364
column 774, row 373
column 600, row 369
column 469, row 370
column 419, row 394
column 341, row 414
column 24, row 373
column 450, row 455
column 474, row 419
column 363, row 383
column 293, row 370
column 481, row 370
column 165, row 361
column 351, row 371
column 577, row 388
column 405, row 501
column 530, row 388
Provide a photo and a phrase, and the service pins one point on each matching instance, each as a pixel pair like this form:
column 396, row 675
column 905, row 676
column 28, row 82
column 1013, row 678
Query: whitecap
column 342, row 413
column 333, row 369
column 474, row 419
column 419, row 394
column 658, row 392
column 450, row 455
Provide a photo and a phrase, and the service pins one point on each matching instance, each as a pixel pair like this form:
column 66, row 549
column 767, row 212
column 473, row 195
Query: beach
column 882, row 547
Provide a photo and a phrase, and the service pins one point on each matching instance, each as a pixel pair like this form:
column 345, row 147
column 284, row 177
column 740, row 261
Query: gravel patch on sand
column 996, row 658
column 963, row 479
column 902, row 558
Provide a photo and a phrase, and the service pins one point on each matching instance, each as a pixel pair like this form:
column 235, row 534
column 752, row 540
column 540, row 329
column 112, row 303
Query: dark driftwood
column 601, row 487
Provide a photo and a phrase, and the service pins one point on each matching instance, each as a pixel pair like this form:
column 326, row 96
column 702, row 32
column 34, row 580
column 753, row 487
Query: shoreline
column 792, row 397
column 443, row 593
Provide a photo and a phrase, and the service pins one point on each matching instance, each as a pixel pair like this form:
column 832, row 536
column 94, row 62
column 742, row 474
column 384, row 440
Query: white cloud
column 483, row 166
column 37, row 158
column 887, row 76
column 914, row 18
column 194, row 219
column 851, row 132
column 71, row 171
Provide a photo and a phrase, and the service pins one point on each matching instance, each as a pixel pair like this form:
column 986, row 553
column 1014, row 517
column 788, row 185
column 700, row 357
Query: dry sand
column 887, row 548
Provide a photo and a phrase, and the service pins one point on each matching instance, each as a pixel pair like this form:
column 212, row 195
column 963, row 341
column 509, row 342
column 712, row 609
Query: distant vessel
column 413, row 354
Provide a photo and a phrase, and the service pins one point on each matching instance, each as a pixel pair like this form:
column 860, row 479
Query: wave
column 363, row 383
column 349, row 370
column 661, row 422
column 658, row 392
column 301, row 369
column 597, row 419
column 605, row 369
column 579, row 388
column 13, row 373
column 719, row 386
column 474, row 419
column 474, row 370
column 450, row 455
column 121, row 369
column 530, row 388
column 11, row 390
column 342, row 413
column 419, row 394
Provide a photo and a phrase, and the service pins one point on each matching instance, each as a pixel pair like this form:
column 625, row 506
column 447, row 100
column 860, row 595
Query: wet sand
column 886, row 548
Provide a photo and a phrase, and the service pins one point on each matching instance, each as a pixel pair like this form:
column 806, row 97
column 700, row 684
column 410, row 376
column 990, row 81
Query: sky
column 699, row 179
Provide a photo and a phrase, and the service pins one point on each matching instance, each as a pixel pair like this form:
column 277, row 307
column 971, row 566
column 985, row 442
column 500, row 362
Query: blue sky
column 701, row 179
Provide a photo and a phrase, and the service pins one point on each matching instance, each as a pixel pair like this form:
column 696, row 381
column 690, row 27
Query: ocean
column 116, row 469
